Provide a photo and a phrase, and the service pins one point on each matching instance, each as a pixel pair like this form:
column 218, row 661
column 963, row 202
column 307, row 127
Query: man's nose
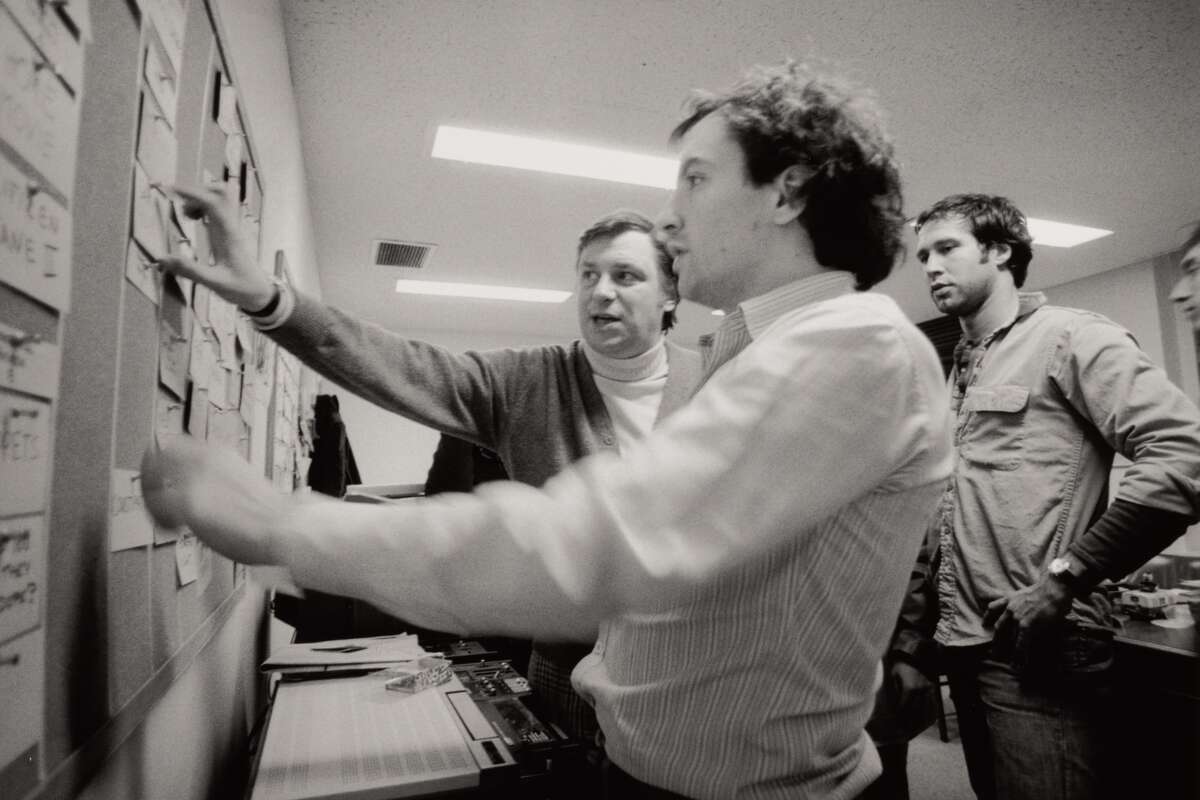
column 667, row 225
column 932, row 266
column 605, row 288
column 1181, row 292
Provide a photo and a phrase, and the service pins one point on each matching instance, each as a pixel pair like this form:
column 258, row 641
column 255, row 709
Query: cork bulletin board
column 100, row 356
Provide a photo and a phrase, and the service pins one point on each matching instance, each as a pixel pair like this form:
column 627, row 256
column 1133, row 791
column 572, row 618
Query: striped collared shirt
column 752, row 317
column 759, row 685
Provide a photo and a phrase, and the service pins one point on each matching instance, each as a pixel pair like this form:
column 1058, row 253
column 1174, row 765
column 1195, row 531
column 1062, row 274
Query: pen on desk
column 340, row 648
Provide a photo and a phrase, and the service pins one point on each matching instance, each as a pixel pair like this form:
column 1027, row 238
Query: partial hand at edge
column 235, row 277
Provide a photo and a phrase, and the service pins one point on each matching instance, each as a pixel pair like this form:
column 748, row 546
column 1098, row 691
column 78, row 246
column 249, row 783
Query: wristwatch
column 1060, row 570
column 272, row 304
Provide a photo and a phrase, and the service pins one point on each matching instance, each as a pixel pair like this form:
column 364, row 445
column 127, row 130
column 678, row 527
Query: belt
column 620, row 785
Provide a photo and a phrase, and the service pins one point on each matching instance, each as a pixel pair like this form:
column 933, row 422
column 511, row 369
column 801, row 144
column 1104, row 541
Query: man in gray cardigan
column 538, row 408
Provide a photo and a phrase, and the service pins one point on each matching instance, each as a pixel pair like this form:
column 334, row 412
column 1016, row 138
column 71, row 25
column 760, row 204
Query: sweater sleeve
column 455, row 393
column 1126, row 536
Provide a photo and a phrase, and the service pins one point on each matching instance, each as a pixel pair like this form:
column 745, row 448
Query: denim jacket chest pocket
column 992, row 426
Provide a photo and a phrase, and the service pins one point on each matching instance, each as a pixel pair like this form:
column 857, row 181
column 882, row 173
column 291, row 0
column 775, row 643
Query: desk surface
column 1181, row 641
column 1152, row 660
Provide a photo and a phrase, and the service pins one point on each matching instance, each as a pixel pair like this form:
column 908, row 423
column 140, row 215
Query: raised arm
column 452, row 393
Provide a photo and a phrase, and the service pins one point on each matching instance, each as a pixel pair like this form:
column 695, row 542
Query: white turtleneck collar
column 632, row 390
column 648, row 365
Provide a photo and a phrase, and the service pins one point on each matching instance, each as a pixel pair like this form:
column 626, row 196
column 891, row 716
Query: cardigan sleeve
column 460, row 394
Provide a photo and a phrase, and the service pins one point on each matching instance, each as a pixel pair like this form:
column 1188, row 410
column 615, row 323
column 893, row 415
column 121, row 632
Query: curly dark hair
column 785, row 116
column 1193, row 240
column 622, row 220
column 993, row 220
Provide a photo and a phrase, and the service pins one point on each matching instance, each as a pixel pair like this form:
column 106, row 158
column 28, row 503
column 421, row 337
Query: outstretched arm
column 450, row 392
column 698, row 497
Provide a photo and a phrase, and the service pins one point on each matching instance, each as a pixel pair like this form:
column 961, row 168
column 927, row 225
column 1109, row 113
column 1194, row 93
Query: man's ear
column 789, row 197
column 672, row 301
column 1003, row 252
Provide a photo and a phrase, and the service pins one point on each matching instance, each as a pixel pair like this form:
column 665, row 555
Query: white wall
column 196, row 734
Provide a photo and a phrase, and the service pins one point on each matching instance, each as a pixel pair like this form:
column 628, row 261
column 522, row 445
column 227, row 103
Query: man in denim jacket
column 1043, row 397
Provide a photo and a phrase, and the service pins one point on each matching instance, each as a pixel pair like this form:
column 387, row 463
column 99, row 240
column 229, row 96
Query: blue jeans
column 1036, row 724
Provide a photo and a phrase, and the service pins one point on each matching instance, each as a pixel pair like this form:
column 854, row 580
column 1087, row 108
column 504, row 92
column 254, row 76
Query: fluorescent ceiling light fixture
column 481, row 291
column 1061, row 234
column 547, row 155
column 718, row 312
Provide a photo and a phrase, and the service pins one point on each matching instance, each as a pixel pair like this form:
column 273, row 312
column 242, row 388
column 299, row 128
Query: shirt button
column 608, row 440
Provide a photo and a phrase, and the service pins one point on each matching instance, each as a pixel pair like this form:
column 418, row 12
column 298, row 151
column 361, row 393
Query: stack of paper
column 337, row 655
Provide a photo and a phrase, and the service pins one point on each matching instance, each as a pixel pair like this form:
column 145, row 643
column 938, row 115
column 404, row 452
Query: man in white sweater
column 745, row 562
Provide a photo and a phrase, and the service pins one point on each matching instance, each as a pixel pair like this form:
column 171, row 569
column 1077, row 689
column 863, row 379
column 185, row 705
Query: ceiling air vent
column 391, row 253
